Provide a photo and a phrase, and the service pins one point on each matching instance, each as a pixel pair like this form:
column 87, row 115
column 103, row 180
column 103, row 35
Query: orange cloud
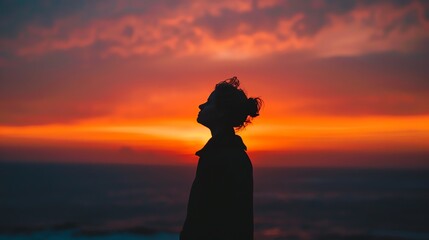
column 379, row 28
column 180, row 32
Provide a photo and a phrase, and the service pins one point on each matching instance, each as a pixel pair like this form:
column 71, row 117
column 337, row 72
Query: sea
column 125, row 201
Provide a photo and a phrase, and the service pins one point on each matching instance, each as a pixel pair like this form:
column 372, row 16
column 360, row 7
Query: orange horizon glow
column 322, row 133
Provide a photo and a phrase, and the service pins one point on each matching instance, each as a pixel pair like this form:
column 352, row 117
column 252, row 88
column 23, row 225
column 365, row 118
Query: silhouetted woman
column 220, row 204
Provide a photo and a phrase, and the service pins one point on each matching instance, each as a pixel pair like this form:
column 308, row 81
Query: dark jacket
column 220, row 204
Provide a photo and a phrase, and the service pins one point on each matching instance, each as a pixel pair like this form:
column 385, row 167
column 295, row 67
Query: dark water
column 290, row 203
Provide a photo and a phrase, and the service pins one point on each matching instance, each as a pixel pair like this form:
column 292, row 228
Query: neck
column 221, row 131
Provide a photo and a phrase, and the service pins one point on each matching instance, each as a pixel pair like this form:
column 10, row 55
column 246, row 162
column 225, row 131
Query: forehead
column 211, row 96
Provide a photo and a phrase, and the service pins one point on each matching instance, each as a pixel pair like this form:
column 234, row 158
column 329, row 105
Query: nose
column 201, row 106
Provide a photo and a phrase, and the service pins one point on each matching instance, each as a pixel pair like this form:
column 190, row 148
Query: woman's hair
column 233, row 102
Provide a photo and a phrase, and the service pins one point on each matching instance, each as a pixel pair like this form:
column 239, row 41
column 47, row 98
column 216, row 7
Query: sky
column 345, row 83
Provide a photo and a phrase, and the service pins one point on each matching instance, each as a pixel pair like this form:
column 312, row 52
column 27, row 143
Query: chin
column 201, row 122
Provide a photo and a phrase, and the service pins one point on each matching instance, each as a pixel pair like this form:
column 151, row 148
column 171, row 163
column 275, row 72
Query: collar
column 224, row 140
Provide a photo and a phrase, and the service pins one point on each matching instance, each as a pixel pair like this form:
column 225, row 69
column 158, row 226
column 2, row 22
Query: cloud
column 230, row 29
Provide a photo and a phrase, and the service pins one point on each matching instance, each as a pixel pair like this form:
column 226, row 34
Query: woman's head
column 228, row 106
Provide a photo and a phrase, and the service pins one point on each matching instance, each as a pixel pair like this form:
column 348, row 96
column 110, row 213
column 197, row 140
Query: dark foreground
column 64, row 201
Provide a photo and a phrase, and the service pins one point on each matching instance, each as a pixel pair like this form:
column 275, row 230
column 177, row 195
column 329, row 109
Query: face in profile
column 209, row 115
column 228, row 107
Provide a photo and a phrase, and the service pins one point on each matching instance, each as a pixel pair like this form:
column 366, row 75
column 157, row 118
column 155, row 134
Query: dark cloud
column 228, row 21
column 16, row 15
column 315, row 16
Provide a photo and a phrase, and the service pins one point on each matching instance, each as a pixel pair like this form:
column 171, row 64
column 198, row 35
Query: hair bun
column 253, row 106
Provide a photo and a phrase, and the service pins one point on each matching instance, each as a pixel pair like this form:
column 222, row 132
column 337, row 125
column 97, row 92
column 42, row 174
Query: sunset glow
column 127, row 77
